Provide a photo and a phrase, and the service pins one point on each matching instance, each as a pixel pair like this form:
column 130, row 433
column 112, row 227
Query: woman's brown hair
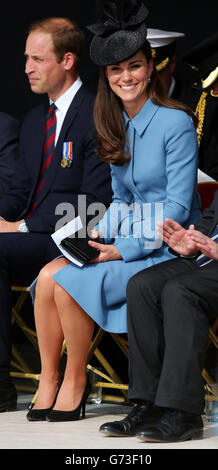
column 109, row 119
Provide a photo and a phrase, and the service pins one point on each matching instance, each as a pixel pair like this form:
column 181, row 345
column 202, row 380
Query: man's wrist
column 22, row 227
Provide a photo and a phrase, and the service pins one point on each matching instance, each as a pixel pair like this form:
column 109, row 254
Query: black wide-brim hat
column 204, row 58
column 121, row 35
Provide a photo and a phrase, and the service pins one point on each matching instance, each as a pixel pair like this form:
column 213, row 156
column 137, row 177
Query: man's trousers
column 169, row 309
column 22, row 255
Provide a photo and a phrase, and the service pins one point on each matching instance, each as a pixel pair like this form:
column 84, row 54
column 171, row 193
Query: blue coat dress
column 158, row 182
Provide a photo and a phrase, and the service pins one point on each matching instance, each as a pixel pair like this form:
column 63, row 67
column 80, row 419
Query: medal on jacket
column 63, row 163
column 67, row 156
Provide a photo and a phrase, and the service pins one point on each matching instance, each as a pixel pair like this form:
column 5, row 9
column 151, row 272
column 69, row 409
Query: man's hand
column 6, row 227
column 177, row 237
column 205, row 244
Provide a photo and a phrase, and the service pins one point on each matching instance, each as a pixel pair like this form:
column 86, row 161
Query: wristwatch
column 23, row 226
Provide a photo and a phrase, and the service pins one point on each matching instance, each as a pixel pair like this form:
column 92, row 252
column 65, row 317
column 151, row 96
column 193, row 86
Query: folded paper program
column 74, row 247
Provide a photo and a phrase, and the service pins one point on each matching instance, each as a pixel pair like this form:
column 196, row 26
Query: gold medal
column 63, row 162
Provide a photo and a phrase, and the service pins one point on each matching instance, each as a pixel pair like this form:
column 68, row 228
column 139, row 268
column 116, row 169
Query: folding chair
column 109, row 374
column 20, row 368
column 211, row 390
column 108, row 377
column 211, row 387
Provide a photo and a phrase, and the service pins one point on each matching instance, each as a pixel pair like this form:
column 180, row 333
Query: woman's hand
column 107, row 252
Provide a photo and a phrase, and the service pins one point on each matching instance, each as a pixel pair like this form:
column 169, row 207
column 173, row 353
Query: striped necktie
column 48, row 150
column 202, row 259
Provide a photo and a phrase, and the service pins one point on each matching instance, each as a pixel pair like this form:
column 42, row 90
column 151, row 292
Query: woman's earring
column 149, row 79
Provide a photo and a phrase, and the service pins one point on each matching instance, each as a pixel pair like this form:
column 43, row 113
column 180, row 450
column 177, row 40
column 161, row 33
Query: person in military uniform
column 163, row 45
column 202, row 97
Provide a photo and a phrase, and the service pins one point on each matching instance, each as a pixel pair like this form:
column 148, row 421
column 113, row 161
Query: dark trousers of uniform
column 169, row 309
column 22, row 255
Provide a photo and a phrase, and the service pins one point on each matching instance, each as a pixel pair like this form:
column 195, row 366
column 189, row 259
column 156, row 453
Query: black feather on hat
column 122, row 33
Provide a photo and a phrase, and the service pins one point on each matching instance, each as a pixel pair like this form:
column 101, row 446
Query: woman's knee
column 45, row 282
column 49, row 270
column 45, row 275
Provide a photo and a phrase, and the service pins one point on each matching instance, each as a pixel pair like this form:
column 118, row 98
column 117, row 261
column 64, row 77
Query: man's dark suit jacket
column 9, row 140
column 22, row 255
column 88, row 175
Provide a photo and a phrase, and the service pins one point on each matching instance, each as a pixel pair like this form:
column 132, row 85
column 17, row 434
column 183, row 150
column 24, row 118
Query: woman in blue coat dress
column 150, row 142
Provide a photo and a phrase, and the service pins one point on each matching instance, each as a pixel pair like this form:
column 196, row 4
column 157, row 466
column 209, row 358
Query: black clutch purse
column 80, row 249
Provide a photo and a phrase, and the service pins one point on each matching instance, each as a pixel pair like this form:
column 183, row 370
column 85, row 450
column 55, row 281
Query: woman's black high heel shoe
column 56, row 415
column 40, row 414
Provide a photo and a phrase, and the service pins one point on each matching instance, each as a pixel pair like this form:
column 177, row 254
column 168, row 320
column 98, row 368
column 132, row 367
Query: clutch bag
column 80, row 249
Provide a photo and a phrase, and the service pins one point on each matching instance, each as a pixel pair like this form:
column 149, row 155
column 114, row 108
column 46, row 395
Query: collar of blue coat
column 143, row 117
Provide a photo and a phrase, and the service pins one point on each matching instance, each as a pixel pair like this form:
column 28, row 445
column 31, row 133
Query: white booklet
column 65, row 231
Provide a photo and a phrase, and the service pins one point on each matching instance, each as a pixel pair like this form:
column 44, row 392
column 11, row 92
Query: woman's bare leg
column 49, row 333
column 78, row 331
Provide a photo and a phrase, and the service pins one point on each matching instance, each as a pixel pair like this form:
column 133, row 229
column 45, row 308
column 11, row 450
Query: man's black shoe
column 174, row 426
column 8, row 399
column 139, row 416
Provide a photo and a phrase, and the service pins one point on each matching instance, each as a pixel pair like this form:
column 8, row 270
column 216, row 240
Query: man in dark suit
column 9, row 140
column 46, row 185
column 169, row 308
